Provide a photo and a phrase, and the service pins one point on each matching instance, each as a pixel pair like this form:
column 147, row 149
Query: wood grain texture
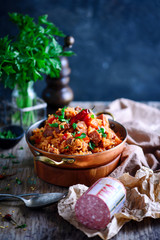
column 46, row 224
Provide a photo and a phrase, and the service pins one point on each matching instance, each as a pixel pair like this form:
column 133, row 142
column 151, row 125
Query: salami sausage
column 95, row 208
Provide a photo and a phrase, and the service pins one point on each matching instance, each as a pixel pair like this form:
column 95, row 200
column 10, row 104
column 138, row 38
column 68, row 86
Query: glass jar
column 23, row 100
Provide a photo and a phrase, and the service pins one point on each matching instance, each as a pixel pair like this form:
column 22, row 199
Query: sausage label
column 111, row 191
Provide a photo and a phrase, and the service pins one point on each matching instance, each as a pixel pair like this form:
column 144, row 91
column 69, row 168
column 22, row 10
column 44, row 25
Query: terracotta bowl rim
column 72, row 155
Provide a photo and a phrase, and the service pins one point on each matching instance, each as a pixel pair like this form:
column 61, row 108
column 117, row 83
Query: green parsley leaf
column 15, row 162
column 21, row 226
column 62, row 116
column 74, row 125
column 18, row 181
column 62, row 126
column 63, row 111
column 102, row 131
column 92, row 116
column 10, row 155
column 21, row 148
column 83, row 135
column 4, row 167
column 73, row 134
column 53, row 124
column 7, row 134
column 66, row 147
column 91, row 145
column 62, row 119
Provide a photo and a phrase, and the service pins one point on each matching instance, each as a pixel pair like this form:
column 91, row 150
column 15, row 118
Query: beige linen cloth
column 140, row 158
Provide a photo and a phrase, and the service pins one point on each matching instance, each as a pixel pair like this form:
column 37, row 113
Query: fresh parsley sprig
column 32, row 53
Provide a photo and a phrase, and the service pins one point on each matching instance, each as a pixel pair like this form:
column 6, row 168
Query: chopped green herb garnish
column 21, row 226
column 63, row 110
column 10, row 155
column 92, row 116
column 4, row 167
column 62, row 119
column 15, row 162
column 62, row 126
column 7, row 134
column 73, row 134
column 53, row 124
column 18, row 181
column 62, row 116
column 66, row 147
column 74, row 125
column 101, row 130
column 91, row 145
column 21, row 148
column 83, row 135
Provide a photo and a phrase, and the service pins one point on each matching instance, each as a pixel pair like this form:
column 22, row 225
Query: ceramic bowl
column 78, row 161
column 6, row 143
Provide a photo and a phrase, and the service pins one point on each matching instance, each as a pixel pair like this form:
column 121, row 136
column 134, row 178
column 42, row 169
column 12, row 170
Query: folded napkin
column 143, row 144
column 139, row 160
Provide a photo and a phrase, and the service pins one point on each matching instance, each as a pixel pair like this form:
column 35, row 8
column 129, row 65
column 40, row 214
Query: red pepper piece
column 50, row 120
column 65, row 136
column 78, row 135
column 80, row 116
column 87, row 119
column 86, row 139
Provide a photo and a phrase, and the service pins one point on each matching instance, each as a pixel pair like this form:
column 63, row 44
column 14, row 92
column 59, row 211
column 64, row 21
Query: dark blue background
column 117, row 45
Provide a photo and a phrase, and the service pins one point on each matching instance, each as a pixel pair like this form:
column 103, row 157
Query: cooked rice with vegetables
column 75, row 131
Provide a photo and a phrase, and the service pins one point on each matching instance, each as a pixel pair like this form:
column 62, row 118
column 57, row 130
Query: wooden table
column 45, row 224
